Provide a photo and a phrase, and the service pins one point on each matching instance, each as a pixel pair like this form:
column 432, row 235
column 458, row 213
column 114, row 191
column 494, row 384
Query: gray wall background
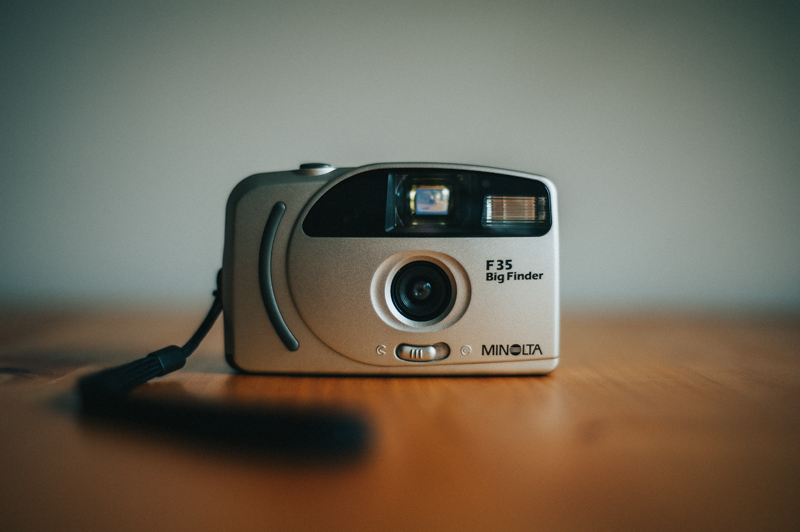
column 672, row 130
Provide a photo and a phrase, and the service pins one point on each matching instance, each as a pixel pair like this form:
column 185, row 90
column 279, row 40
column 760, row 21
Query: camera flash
column 507, row 211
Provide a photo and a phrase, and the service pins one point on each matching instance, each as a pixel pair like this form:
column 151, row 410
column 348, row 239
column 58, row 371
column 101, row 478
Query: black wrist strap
column 326, row 433
column 107, row 388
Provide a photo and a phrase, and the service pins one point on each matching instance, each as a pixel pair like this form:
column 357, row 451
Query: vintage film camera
column 392, row 269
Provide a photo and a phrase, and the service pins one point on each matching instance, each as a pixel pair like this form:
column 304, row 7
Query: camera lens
column 421, row 291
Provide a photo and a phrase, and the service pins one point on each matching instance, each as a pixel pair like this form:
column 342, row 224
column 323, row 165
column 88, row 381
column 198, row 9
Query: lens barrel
column 421, row 291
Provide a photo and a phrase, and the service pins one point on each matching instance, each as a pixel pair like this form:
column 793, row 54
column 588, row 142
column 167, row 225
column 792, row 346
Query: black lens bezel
column 442, row 291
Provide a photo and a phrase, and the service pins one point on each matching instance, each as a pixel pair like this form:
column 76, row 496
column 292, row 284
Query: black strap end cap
column 171, row 359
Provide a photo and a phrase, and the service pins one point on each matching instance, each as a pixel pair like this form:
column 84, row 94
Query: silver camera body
column 392, row 269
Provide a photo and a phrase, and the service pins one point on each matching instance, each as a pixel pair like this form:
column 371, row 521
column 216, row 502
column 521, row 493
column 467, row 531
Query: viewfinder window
column 430, row 200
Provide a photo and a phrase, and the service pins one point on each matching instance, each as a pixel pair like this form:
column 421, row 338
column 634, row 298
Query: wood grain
column 651, row 421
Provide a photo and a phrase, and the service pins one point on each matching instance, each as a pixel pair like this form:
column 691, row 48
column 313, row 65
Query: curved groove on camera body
column 265, row 278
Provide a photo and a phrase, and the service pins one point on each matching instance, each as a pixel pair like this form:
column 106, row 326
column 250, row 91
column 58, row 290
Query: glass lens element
column 421, row 291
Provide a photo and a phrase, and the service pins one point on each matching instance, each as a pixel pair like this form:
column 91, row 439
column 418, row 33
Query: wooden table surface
column 651, row 421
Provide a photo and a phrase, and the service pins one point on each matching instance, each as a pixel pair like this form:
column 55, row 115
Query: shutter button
column 314, row 169
column 422, row 353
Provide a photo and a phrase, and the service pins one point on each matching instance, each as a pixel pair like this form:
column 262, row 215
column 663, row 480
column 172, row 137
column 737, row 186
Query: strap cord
column 106, row 389
column 319, row 433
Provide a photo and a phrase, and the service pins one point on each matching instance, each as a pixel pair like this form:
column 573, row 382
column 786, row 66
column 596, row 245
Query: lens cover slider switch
column 422, row 353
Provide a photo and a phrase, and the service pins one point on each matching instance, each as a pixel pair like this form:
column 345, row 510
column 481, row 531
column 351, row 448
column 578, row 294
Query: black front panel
column 419, row 202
